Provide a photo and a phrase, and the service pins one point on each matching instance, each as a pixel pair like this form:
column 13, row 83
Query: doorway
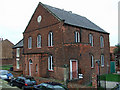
column 73, row 69
column 30, row 67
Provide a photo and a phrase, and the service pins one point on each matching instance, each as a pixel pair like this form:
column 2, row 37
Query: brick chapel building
column 55, row 38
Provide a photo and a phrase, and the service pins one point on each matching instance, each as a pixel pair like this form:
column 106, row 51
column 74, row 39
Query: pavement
column 109, row 84
column 5, row 86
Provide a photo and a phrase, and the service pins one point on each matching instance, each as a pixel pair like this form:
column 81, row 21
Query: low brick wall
column 6, row 61
column 17, row 73
column 41, row 80
column 71, row 85
column 75, row 86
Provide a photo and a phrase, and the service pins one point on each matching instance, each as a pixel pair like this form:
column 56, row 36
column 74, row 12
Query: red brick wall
column 64, row 47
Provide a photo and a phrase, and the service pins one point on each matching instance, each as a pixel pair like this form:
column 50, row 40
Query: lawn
column 5, row 67
column 110, row 77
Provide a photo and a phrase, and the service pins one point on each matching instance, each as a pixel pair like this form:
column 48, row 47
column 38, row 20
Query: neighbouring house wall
column 6, row 54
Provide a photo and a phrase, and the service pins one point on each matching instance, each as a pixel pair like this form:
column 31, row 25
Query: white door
column 30, row 67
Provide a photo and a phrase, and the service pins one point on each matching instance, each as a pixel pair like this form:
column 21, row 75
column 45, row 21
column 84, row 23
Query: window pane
column 92, row 61
column 30, row 42
column 39, row 41
column 91, row 39
column 50, row 63
column 101, row 42
column 17, row 62
column 102, row 60
column 18, row 52
column 50, row 39
column 77, row 36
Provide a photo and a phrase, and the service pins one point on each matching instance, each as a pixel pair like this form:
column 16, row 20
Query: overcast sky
column 15, row 15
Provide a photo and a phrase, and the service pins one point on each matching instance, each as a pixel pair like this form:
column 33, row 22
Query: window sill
column 39, row 47
column 29, row 48
column 92, row 67
column 50, row 70
column 102, row 66
column 50, row 46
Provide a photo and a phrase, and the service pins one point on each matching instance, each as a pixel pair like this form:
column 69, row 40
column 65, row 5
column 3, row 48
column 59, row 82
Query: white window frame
column 50, row 39
column 77, row 36
column 17, row 63
column 92, row 61
column 17, row 52
column 30, row 42
column 91, row 39
column 101, row 41
column 39, row 41
column 50, row 63
column 102, row 60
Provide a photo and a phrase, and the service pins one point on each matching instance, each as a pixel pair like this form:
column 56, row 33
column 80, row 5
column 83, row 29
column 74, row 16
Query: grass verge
column 6, row 67
column 110, row 77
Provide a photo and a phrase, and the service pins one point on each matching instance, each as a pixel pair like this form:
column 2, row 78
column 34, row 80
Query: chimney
column 1, row 39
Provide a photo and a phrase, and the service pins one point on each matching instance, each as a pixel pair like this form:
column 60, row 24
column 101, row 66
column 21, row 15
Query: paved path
column 109, row 84
column 4, row 85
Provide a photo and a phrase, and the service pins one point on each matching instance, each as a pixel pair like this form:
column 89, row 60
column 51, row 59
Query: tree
column 117, row 49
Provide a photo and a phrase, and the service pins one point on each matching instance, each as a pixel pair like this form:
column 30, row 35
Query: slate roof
column 19, row 44
column 73, row 19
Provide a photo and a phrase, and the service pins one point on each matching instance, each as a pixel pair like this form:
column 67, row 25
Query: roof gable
column 47, row 19
column 19, row 44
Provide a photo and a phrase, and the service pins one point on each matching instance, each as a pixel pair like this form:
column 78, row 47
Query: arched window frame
column 39, row 41
column 30, row 42
column 91, row 39
column 50, row 63
column 101, row 41
column 92, row 61
column 102, row 60
column 77, row 36
column 50, row 39
column 17, row 63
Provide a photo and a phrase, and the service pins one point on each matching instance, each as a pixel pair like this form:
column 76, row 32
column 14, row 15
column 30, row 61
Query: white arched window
column 92, row 61
column 39, row 41
column 102, row 60
column 50, row 63
column 30, row 42
column 18, row 63
column 91, row 39
column 77, row 36
column 101, row 41
column 50, row 39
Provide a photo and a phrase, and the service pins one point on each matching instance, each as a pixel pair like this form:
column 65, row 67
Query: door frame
column 30, row 67
column 71, row 60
